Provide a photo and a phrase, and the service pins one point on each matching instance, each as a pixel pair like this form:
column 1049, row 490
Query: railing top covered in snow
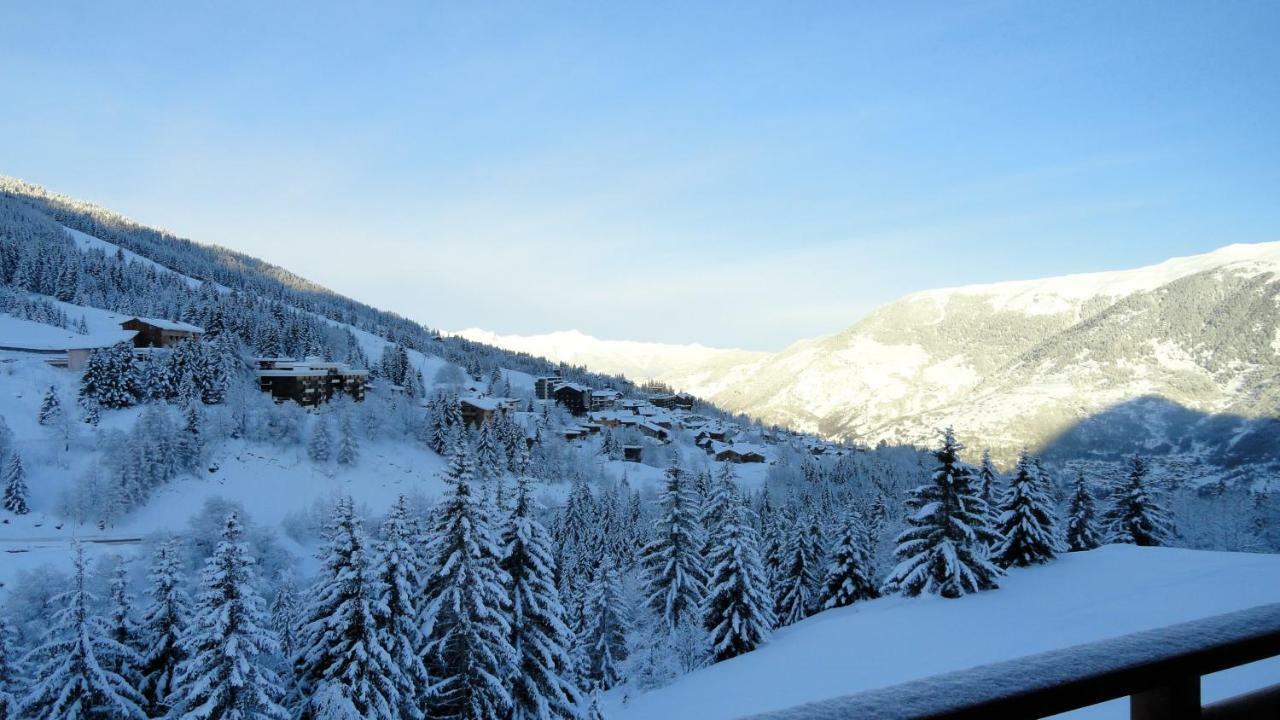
column 1159, row 669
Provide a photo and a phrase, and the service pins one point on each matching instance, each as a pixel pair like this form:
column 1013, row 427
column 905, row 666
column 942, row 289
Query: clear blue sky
column 739, row 173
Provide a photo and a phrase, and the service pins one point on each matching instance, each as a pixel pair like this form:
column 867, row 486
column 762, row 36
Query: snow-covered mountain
column 1182, row 356
column 687, row 367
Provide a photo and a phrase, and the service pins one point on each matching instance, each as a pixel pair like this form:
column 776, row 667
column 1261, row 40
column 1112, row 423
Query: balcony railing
column 1158, row 670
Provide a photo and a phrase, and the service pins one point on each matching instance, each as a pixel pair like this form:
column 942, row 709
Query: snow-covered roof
column 573, row 386
column 169, row 324
column 483, row 403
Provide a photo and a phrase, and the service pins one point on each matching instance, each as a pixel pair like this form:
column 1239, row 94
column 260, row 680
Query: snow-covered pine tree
column 1135, row 515
column 164, row 622
column 190, row 441
column 605, row 624
column 467, row 613
column 1026, row 521
column 348, row 445
column 1081, row 533
column 11, row 680
column 72, row 676
column 989, row 488
column 801, row 574
column 490, row 460
column 338, row 640
column 227, row 642
column 124, row 628
column 944, row 549
column 675, row 576
column 320, row 446
column 541, row 686
column 109, row 379
column 739, row 607
column 15, row 485
column 284, row 616
column 848, row 580
column 51, row 407
column 398, row 613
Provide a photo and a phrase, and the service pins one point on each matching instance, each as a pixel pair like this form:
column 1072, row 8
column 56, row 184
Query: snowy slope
column 1082, row 597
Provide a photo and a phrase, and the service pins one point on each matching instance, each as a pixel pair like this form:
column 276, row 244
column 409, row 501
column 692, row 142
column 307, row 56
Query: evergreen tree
column 284, row 616
column 348, row 446
column 490, row 462
column 338, row 641
column 739, row 612
column 163, row 624
column 11, row 680
column 988, row 488
column 72, row 675
column 676, row 581
column 848, row 579
column 398, row 615
column 605, row 626
column 51, row 408
column 15, row 485
column 320, row 447
column 124, row 628
column 1081, row 534
column 468, row 645
column 801, row 575
column 1136, row 516
column 190, row 445
column 225, row 675
column 541, row 686
column 944, row 549
column 109, row 379
column 1026, row 520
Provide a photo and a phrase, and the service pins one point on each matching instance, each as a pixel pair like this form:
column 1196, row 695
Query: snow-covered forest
column 213, row 553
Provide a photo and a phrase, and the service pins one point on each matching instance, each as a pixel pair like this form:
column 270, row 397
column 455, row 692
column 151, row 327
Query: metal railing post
column 1179, row 700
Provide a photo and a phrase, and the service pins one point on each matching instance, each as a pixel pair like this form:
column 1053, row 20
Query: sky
column 735, row 174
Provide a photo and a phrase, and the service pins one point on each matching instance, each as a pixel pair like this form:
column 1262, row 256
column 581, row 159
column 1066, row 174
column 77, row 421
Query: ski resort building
column 151, row 332
column 309, row 382
column 575, row 397
column 479, row 410
column 23, row 339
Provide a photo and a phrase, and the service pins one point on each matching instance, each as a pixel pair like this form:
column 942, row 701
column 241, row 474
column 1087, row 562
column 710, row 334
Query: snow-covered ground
column 1082, row 597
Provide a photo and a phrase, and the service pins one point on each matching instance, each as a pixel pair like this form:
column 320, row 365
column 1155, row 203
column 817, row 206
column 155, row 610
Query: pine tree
column 1026, row 521
column 398, row 615
column 1135, row 515
column 163, row 624
column 11, row 680
column 540, row 686
column 50, row 407
column 801, row 574
column 605, row 626
column 72, row 675
column 109, row 379
column 320, row 447
column 190, row 445
column 1081, row 534
column 227, row 642
column 988, row 488
column 676, row 581
column 943, row 551
column 467, row 645
column 739, row 612
column 848, row 579
column 15, row 485
column 338, row 641
column 348, row 446
column 490, row 462
column 284, row 616
column 124, row 628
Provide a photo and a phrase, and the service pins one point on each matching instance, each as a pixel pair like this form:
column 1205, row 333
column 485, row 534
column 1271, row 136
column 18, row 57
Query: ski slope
column 1082, row 597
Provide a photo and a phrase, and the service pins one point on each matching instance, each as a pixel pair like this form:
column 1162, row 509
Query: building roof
column 31, row 336
column 169, row 324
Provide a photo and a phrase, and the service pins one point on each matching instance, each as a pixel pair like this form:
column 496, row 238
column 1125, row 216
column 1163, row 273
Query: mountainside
column 1182, row 356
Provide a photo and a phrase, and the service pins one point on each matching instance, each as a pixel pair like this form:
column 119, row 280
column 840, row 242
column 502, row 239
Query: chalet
column 683, row 401
column 152, row 332
column 741, row 453
column 656, row 432
column 604, row 399
column 574, row 433
column 477, row 410
column 575, row 397
column 309, row 382
column 631, row 453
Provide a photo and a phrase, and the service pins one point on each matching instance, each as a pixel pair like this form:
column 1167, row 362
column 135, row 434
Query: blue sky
column 742, row 174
